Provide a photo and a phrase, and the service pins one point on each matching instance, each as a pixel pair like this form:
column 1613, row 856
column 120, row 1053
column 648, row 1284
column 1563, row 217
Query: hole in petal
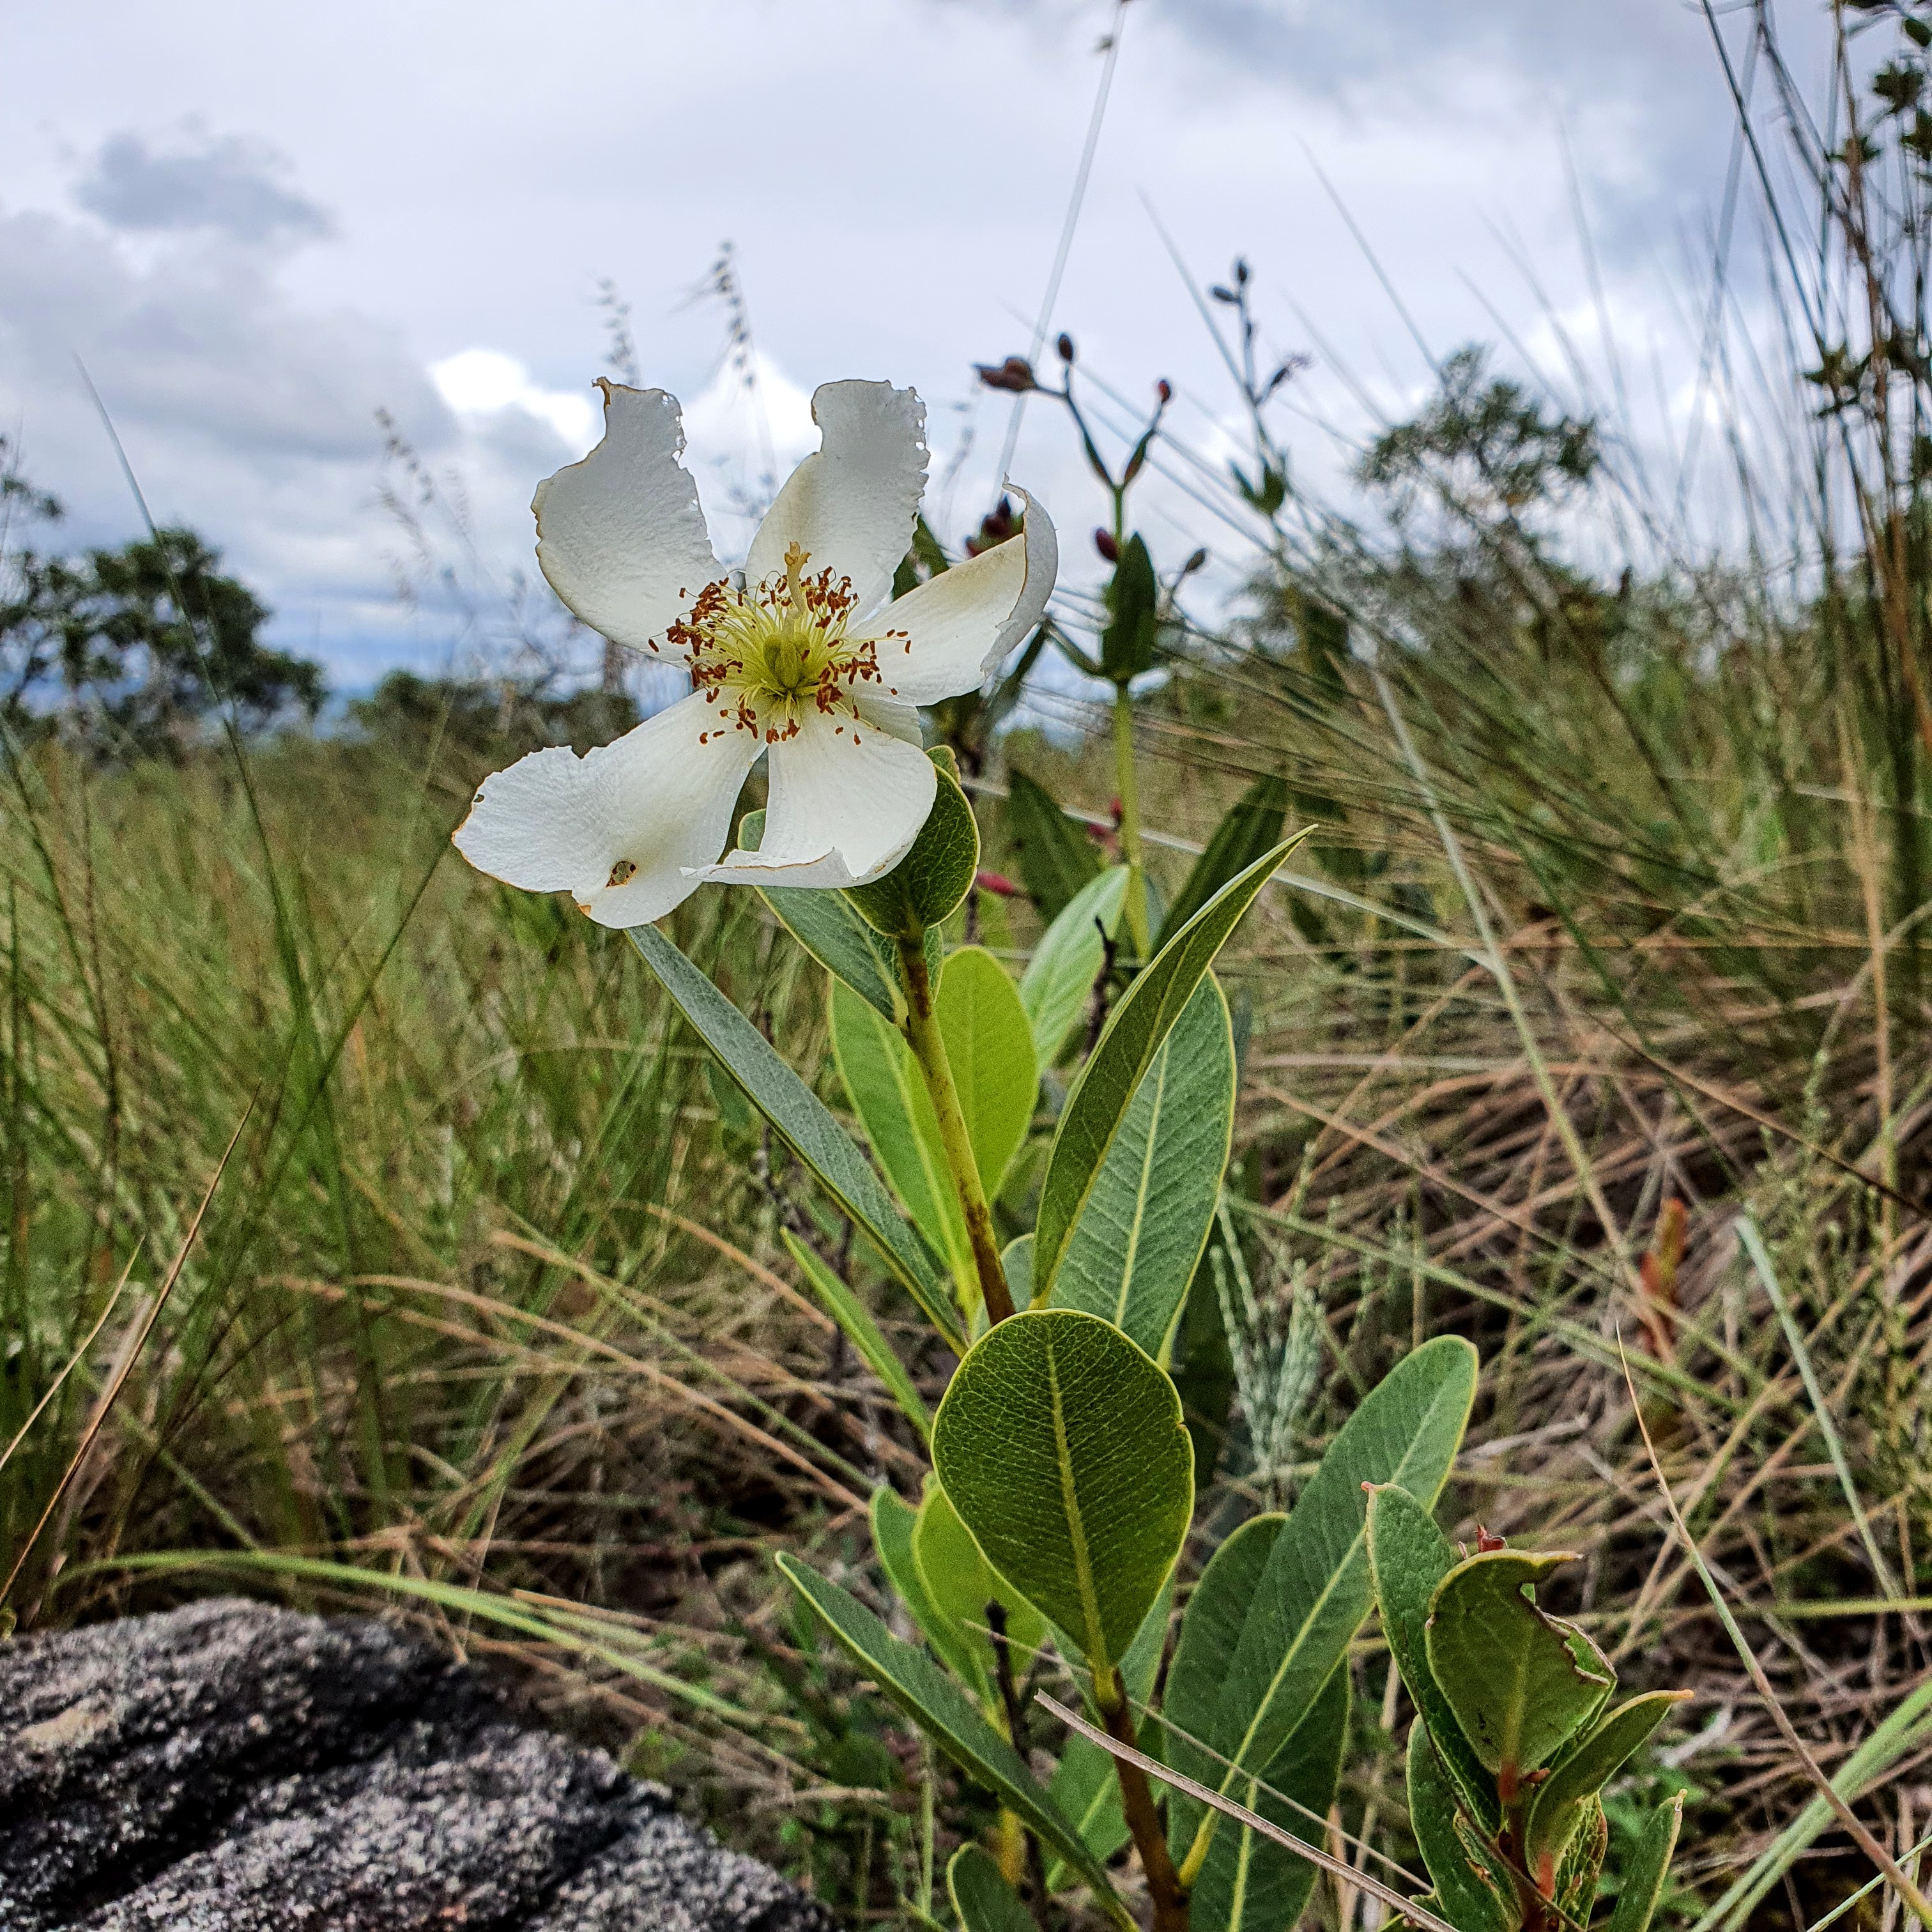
column 621, row 871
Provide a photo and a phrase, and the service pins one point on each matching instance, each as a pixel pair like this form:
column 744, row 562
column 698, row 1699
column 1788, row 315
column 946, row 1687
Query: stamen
column 764, row 652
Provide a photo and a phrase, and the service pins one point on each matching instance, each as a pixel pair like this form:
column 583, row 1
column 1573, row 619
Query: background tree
column 134, row 646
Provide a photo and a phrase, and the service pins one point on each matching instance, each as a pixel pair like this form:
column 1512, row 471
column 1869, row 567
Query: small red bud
column 1065, row 346
column 996, row 882
column 1164, row 389
column 1015, row 373
column 1487, row 1540
column 1103, row 541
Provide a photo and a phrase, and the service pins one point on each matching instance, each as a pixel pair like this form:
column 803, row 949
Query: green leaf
column 895, row 1524
column 1510, row 1672
column 1202, row 1365
column 1057, row 857
column 990, row 1049
column 962, row 1583
column 1253, row 826
column 989, row 1044
column 1315, row 1590
column 1131, row 1254
column 935, row 875
column 983, row 1899
column 1098, row 1102
column 912, row 1680
column 842, row 943
column 825, row 926
column 1558, row 1807
column 1473, row 1885
column 1649, row 1866
column 1583, row 1860
column 803, row 1122
column 888, row 1092
column 1016, row 1261
column 1408, row 1556
column 856, row 1319
column 1133, row 600
column 1250, row 1883
column 1061, row 1446
column 1210, row 1633
column 1058, row 984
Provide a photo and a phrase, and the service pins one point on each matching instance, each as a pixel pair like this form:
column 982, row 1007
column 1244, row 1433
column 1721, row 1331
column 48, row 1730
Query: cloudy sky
column 258, row 226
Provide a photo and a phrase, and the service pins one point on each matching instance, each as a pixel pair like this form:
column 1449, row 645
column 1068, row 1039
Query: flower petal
column 850, row 506
column 888, row 714
column 960, row 624
column 846, row 802
column 619, row 535
column 656, row 801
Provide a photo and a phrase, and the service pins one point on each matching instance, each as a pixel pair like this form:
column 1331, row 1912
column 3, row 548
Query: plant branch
column 1127, row 788
column 1164, row 1886
column 1126, row 1754
column 1009, row 1700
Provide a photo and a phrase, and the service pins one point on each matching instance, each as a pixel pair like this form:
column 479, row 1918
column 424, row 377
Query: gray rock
column 233, row 1768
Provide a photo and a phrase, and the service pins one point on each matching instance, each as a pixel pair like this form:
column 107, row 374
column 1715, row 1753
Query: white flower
column 805, row 660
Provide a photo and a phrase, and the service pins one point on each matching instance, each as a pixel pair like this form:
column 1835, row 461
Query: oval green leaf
column 983, row 1899
column 1061, row 1445
column 989, row 1044
column 1131, row 1254
column 1517, row 1678
column 1473, row 1885
column 1408, row 1556
column 803, row 1122
column 883, row 1082
column 895, row 1523
column 913, row 1681
column 1057, row 857
column 1098, row 1103
column 1649, row 1866
column 990, row 1047
column 1560, row 1800
column 935, row 875
column 962, row 1584
column 1058, row 985
column 1315, row 1590
column 1250, row 1883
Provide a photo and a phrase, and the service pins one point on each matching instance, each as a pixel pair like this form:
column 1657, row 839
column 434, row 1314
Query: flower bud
column 1164, row 389
column 1065, row 346
column 1103, row 541
column 995, row 527
column 997, row 883
column 1015, row 373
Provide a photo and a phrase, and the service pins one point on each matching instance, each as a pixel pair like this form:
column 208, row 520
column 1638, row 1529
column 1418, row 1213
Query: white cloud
column 483, row 382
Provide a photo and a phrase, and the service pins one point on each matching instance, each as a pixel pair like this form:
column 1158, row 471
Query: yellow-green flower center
column 770, row 656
